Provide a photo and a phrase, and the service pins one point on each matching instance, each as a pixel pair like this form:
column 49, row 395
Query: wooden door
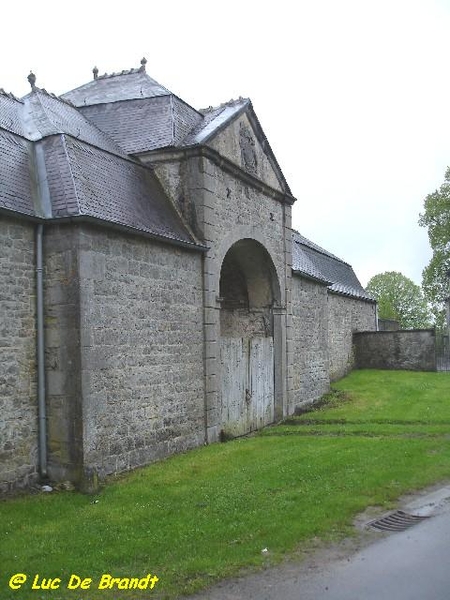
column 247, row 390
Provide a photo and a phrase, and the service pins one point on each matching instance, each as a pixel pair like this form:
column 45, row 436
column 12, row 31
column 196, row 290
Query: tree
column 400, row 299
column 436, row 275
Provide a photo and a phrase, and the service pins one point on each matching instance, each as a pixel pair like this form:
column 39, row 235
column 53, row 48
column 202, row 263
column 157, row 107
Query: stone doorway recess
column 249, row 291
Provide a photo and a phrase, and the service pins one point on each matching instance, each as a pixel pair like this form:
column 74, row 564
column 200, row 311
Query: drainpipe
column 40, row 353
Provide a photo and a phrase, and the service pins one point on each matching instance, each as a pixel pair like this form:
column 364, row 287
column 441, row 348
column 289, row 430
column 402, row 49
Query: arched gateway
column 249, row 291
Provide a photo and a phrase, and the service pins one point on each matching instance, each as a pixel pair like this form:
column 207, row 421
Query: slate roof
column 141, row 125
column 48, row 115
column 55, row 163
column 115, row 87
column 87, row 181
column 11, row 113
column 312, row 261
column 141, row 115
column 16, row 192
column 136, row 111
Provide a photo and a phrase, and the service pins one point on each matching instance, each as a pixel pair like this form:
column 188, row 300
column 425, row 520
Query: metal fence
column 442, row 353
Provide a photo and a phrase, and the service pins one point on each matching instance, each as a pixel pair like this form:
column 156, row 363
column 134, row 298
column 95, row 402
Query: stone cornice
column 179, row 154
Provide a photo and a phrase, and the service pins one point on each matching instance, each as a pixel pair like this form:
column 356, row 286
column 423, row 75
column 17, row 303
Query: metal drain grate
column 397, row 521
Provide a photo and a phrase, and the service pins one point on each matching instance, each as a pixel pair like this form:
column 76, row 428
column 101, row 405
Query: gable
column 240, row 142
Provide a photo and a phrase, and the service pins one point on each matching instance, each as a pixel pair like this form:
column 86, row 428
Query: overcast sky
column 353, row 96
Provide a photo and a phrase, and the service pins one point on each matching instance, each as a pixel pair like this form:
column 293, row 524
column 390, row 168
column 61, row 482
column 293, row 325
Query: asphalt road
column 410, row 565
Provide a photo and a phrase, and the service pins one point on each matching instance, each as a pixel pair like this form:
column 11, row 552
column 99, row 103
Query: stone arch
column 249, row 296
column 250, row 234
column 248, row 290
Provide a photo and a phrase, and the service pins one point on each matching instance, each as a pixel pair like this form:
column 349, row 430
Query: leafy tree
column 400, row 299
column 436, row 275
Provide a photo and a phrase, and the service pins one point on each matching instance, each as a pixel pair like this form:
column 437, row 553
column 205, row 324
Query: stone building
column 153, row 296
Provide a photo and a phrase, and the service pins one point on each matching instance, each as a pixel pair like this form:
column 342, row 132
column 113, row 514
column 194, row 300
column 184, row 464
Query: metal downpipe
column 42, row 418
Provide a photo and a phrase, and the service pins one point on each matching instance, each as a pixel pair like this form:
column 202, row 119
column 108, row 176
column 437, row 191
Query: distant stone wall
column 346, row 316
column 18, row 394
column 388, row 325
column 412, row 350
column 310, row 342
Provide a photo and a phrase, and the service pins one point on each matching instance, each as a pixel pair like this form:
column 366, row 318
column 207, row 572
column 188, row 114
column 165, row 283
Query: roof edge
column 75, row 219
column 304, row 275
column 350, row 295
column 237, row 113
column 168, row 95
column 268, row 149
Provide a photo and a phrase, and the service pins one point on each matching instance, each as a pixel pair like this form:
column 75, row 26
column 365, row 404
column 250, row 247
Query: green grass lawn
column 204, row 515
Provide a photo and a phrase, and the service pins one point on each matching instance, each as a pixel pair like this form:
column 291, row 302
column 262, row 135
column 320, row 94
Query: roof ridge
column 47, row 116
column 224, row 105
column 72, row 177
column 109, row 76
column 58, row 130
column 123, row 100
column 118, row 73
column 109, row 88
column 10, row 95
column 49, row 94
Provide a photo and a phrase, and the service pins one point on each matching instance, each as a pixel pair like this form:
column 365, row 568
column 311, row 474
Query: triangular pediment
column 236, row 134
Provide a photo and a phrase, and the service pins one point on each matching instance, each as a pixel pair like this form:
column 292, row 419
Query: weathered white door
column 247, row 391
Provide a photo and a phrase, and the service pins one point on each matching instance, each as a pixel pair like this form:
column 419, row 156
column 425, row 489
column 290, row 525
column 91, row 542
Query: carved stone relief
column 248, row 154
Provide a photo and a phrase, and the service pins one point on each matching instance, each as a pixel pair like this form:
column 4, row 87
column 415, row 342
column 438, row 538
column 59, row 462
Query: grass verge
column 206, row 514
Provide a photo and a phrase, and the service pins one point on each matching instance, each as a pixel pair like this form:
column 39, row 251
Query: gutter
column 43, row 207
column 42, row 418
column 305, row 275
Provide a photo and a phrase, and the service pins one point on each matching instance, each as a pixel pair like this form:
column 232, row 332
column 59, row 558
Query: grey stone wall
column 388, row 325
column 346, row 316
column 412, row 350
column 310, row 340
column 124, row 352
column 141, row 334
column 63, row 352
column 18, row 395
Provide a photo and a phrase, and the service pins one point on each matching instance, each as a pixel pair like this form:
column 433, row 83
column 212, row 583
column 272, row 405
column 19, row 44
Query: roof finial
column 32, row 80
column 142, row 67
column 95, row 72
